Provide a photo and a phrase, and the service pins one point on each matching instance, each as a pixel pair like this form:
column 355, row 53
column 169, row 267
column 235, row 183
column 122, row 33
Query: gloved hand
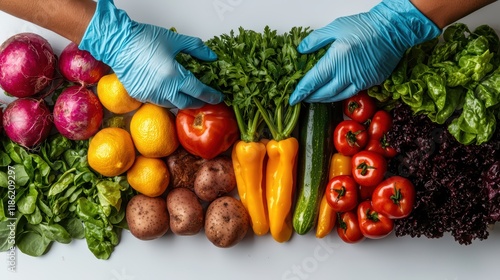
column 143, row 57
column 365, row 50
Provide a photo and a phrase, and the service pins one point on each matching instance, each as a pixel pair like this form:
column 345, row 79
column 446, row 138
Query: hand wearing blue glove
column 365, row 49
column 143, row 57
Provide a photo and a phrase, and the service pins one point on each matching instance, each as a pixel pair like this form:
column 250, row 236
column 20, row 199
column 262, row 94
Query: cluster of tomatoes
column 368, row 199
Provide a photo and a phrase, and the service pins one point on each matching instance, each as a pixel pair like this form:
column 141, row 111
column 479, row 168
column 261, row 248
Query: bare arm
column 68, row 18
column 445, row 12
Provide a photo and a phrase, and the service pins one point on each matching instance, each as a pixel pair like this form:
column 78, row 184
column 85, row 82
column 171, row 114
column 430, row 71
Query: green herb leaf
column 27, row 203
column 62, row 182
column 74, row 227
column 257, row 72
column 32, row 243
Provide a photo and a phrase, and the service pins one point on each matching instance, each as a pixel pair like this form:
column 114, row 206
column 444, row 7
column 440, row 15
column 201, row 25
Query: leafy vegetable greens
column 257, row 72
column 58, row 198
column 458, row 75
column 457, row 186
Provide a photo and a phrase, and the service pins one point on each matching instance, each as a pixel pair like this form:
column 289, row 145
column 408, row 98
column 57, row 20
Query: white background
column 304, row 257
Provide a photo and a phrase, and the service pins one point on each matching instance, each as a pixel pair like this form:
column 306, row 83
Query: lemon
column 153, row 131
column 114, row 97
column 111, row 151
column 149, row 176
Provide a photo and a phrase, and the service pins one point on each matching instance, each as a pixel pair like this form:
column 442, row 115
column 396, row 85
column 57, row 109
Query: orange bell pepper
column 280, row 186
column 249, row 161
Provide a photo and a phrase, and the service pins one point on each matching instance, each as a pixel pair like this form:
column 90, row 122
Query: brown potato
column 147, row 217
column 183, row 167
column 226, row 222
column 185, row 210
column 215, row 178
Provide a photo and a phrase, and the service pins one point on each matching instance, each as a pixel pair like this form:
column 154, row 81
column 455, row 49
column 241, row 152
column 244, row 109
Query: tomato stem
column 397, row 196
column 352, row 106
column 364, row 168
column 373, row 216
column 340, row 192
column 384, row 143
column 198, row 121
column 342, row 224
column 351, row 138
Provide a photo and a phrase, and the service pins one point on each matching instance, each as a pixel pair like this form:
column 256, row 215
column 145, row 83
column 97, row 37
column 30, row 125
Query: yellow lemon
column 153, row 130
column 149, row 176
column 114, row 96
column 111, row 151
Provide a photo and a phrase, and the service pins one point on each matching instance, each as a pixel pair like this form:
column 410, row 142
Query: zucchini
column 316, row 125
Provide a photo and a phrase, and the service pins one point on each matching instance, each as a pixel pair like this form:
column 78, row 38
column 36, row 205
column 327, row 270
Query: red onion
column 77, row 113
column 27, row 64
column 80, row 66
column 27, row 121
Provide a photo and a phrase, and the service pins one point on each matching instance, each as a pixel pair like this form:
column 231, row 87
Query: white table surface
column 304, row 257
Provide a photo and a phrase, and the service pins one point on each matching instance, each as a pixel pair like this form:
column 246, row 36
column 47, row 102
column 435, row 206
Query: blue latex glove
column 365, row 50
column 143, row 57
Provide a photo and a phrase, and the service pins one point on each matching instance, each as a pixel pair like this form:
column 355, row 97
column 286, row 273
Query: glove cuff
column 413, row 26
column 106, row 31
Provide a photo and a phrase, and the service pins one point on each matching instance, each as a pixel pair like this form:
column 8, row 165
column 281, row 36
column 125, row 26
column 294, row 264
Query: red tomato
column 368, row 168
column 381, row 146
column 359, row 107
column 349, row 137
column 380, row 124
column 207, row 131
column 373, row 225
column 348, row 227
column 342, row 193
column 394, row 197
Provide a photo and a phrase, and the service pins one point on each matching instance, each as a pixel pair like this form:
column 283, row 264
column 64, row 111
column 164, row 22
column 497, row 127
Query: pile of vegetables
column 459, row 73
column 407, row 171
column 43, row 151
column 361, row 198
column 446, row 94
column 257, row 72
column 59, row 198
column 199, row 199
column 32, row 73
column 457, row 185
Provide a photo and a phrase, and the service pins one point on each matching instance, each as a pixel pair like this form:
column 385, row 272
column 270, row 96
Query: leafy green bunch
column 58, row 198
column 257, row 72
column 454, row 80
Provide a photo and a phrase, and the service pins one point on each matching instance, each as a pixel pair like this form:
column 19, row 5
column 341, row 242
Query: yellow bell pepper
column 280, row 186
column 339, row 165
column 249, row 160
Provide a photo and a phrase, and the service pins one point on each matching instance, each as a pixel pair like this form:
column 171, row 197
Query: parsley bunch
column 257, row 72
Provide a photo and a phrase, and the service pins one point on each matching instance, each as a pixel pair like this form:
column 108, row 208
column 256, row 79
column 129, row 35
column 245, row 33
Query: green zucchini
column 316, row 125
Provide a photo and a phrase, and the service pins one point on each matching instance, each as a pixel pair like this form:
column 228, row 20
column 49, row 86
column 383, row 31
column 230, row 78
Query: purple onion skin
column 78, row 113
column 27, row 64
column 27, row 121
column 79, row 66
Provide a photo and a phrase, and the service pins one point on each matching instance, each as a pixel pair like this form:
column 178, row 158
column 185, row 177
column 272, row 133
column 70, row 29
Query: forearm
column 68, row 18
column 445, row 12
